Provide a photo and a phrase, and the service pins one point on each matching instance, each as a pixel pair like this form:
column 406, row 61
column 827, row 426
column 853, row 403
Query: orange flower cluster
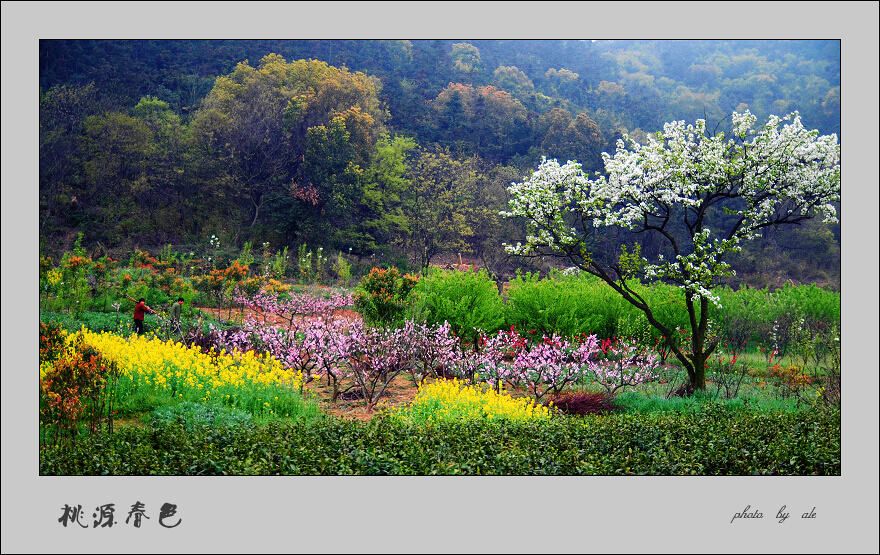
column 792, row 377
column 71, row 386
column 76, row 262
column 383, row 294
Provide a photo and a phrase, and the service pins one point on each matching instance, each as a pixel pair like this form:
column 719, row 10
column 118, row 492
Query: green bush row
column 710, row 440
column 469, row 301
column 572, row 305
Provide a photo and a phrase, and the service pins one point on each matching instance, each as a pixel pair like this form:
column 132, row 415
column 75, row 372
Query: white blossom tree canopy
column 777, row 174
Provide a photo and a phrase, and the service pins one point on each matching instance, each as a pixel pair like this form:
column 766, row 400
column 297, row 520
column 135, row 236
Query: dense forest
column 396, row 150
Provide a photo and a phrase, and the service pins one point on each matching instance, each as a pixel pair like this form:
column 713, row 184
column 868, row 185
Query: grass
column 120, row 323
column 641, row 403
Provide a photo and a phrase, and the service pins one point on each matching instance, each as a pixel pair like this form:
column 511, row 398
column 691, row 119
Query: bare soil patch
column 400, row 391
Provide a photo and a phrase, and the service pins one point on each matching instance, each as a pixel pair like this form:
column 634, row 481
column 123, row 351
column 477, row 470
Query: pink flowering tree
column 333, row 342
column 677, row 187
column 547, row 367
column 283, row 344
column 435, row 349
column 377, row 356
column 296, row 308
column 495, row 363
column 624, row 363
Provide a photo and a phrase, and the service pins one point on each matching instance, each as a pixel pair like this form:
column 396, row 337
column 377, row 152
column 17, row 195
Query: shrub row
column 572, row 305
column 711, row 440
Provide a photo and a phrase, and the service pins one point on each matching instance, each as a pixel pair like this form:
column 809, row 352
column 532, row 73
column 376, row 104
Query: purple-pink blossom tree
column 624, row 363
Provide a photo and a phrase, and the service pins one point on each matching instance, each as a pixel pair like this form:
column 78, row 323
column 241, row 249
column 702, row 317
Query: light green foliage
column 439, row 205
column 513, row 80
column 320, row 263
column 466, row 57
column 384, row 295
column 304, row 263
column 469, row 301
column 567, row 305
column 631, row 264
column 343, row 270
column 167, row 254
column 312, row 265
column 571, row 305
column 386, row 189
column 280, row 263
column 246, row 257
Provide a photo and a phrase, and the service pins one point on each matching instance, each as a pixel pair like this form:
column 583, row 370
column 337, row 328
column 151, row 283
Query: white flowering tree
column 781, row 173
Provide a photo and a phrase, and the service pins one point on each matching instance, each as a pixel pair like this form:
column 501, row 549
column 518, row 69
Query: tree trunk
column 701, row 351
column 257, row 206
column 698, row 380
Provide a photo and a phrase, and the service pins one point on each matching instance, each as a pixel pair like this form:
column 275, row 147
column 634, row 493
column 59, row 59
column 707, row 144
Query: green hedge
column 571, row 305
column 469, row 301
column 710, row 440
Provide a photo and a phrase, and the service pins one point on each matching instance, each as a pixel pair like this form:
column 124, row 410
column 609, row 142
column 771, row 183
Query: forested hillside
column 395, row 150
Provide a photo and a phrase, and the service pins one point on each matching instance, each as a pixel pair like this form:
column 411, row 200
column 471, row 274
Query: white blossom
column 779, row 172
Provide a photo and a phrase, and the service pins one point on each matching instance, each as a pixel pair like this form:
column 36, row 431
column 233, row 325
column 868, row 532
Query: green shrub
column 571, row 305
column 383, row 296
column 95, row 321
column 469, row 301
column 343, row 270
column 759, row 316
column 197, row 415
column 710, row 440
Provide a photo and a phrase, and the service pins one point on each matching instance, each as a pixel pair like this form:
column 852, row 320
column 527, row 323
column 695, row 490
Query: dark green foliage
column 95, row 321
column 141, row 142
column 712, row 440
column 194, row 416
column 120, row 322
column 469, row 301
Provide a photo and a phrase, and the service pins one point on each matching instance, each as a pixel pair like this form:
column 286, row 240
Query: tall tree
column 63, row 109
column 387, row 184
column 439, row 204
column 491, row 119
column 778, row 174
column 118, row 149
column 258, row 119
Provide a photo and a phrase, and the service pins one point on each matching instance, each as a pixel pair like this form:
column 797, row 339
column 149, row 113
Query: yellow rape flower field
column 459, row 400
column 154, row 371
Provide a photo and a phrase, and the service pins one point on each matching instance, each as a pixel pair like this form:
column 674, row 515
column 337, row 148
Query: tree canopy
column 154, row 142
column 703, row 194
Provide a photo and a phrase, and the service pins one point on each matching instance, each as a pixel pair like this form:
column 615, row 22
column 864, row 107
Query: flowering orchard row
column 349, row 354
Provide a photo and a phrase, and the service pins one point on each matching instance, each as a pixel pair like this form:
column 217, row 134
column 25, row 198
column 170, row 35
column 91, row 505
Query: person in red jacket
column 139, row 309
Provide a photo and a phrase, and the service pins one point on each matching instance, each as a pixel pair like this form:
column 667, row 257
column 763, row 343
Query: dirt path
column 239, row 315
